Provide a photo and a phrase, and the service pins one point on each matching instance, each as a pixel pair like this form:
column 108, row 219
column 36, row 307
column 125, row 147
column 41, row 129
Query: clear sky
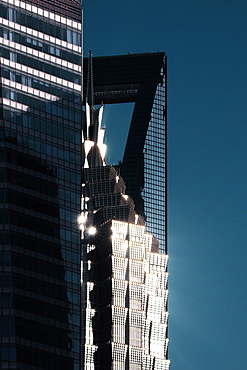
column 206, row 44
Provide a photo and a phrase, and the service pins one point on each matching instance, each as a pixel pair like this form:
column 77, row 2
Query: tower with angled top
column 48, row 177
column 124, row 277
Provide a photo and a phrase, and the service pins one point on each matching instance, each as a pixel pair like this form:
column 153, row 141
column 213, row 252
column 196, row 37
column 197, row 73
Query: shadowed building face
column 40, row 184
column 140, row 78
column 124, row 279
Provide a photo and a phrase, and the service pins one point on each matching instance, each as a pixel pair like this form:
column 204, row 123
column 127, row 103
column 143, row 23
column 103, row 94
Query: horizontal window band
column 14, row 104
column 40, row 35
column 39, row 74
column 44, row 13
column 42, row 66
column 44, row 109
column 29, row 90
column 14, row 46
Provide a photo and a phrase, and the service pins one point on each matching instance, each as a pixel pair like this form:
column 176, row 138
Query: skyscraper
column 42, row 322
column 140, row 79
column 40, row 183
column 124, row 280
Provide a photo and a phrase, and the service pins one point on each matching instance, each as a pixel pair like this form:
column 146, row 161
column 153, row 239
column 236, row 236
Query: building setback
column 124, row 280
column 140, row 79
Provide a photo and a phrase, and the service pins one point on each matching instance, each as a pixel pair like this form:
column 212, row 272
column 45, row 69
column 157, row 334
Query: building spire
column 90, row 92
column 90, row 86
column 93, row 133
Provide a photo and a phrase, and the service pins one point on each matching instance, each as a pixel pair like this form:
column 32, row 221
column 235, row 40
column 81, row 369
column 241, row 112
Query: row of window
column 30, row 223
column 29, row 182
column 44, row 248
column 33, row 204
column 153, row 147
column 44, row 360
column 28, row 162
column 43, row 309
column 54, row 108
column 42, row 333
column 32, row 244
column 44, row 126
column 41, row 46
column 38, row 84
column 157, row 137
column 53, row 151
column 55, row 70
column 39, row 24
column 38, row 266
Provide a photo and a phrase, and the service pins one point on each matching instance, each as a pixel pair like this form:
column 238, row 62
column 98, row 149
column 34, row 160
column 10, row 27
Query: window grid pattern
column 137, row 311
column 161, row 364
column 136, row 292
column 119, row 355
column 136, row 252
column 135, row 358
column 119, row 291
column 120, row 246
column 119, row 318
column 136, row 319
column 154, row 191
column 119, row 268
column 41, row 86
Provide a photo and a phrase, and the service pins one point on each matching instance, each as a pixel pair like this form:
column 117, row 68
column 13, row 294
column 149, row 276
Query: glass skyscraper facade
column 124, row 280
column 40, row 183
column 95, row 299
column 140, row 79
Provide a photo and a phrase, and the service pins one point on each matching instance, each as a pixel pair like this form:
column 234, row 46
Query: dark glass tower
column 41, row 158
column 124, row 275
column 40, row 183
column 141, row 79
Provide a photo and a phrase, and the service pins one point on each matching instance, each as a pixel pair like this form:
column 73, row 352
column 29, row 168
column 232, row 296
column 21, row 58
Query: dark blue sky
column 206, row 44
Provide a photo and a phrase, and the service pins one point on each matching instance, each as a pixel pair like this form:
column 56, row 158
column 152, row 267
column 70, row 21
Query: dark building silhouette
column 141, row 79
column 43, row 316
column 40, row 184
column 124, row 280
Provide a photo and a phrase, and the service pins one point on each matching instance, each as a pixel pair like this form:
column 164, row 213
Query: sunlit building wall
column 124, row 277
column 40, row 198
column 124, row 281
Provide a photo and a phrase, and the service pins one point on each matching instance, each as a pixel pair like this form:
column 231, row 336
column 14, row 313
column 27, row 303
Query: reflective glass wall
column 155, row 168
column 40, row 183
column 124, row 278
column 141, row 79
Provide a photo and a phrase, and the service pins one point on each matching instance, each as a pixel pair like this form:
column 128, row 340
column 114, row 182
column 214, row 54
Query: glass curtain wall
column 155, row 168
column 40, row 183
